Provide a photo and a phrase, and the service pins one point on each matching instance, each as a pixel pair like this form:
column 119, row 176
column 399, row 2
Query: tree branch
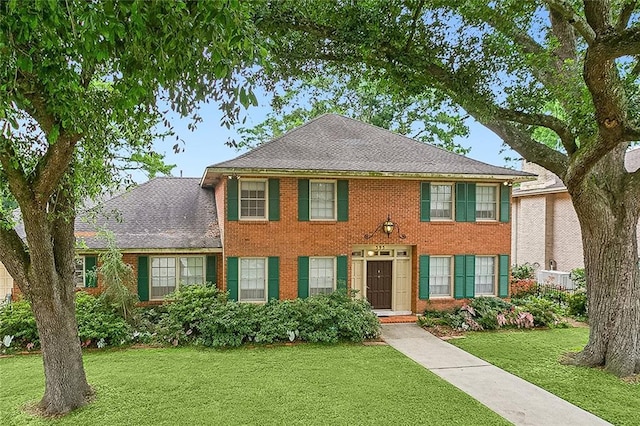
column 14, row 172
column 625, row 15
column 550, row 122
column 565, row 10
column 414, row 24
column 625, row 43
column 14, row 256
column 51, row 166
column 534, row 151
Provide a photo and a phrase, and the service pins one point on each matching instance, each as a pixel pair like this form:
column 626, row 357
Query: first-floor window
column 79, row 272
column 439, row 276
column 485, row 276
column 322, row 276
column 167, row 273
column 192, row 270
column 253, row 280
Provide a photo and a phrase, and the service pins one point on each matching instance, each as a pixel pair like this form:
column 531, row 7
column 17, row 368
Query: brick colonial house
column 545, row 226
column 335, row 203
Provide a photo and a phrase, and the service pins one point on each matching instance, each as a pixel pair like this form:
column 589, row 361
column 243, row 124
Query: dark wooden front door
column 379, row 279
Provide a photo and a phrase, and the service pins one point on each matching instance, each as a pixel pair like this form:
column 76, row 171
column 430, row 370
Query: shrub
column 98, row 325
column 579, row 277
column 203, row 315
column 577, row 303
column 545, row 312
column 523, row 287
column 16, row 319
column 522, row 272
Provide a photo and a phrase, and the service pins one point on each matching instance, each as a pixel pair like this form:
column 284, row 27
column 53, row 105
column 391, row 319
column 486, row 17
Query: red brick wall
column 370, row 200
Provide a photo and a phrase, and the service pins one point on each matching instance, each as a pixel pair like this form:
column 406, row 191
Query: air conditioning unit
column 555, row 278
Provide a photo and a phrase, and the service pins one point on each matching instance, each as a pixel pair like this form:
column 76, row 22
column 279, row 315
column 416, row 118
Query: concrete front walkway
column 515, row 399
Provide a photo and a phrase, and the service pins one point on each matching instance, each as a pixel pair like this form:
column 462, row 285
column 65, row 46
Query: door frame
column 365, row 253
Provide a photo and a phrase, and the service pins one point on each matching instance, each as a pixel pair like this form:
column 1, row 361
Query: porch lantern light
column 388, row 226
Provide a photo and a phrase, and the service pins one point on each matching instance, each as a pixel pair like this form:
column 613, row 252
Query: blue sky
column 206, row 145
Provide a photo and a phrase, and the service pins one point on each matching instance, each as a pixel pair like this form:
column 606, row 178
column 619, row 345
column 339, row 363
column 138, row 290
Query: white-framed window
column 79, row 272
column 253, row 199
column 192, row 270
column 322, row 200
column 322, row 275
column 441, row 201
column 485, row 276
column 486, row 202
column 440, row 276
column 169, row 272
column 253, row 279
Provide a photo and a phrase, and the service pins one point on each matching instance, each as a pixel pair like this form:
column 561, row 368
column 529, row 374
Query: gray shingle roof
column 164, row 213
column 332, row 142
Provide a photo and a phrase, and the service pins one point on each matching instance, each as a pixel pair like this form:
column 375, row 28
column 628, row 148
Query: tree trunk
column 608, row 217
column 50, row 289
column 66, row 386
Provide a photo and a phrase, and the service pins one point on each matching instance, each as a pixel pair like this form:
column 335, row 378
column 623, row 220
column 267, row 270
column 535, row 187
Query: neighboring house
column 546, row 231
column 333, row 204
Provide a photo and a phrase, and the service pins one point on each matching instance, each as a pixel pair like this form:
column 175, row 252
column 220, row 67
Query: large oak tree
column 80, row 85
column 567, row 67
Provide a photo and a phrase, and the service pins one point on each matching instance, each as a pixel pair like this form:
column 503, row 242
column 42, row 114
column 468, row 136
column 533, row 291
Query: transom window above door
column 253, row 199
column 322, row 199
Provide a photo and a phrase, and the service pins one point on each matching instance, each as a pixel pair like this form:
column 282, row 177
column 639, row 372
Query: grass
column 533, row 356
column 301, row 384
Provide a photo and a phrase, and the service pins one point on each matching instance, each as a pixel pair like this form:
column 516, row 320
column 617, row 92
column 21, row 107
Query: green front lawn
column 534, row 354
column 302, row 384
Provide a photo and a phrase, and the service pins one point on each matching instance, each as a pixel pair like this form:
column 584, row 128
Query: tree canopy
column 427, row 117
column 557, row 80
column 80, row 89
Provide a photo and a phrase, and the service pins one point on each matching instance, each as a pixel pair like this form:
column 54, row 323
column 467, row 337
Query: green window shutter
column 343, row 200
column 470, row 276
column 423, row 284
column 232, row 277
column 303, row 277
column 143, row 278
column 274, row 199
column 232, row 199
column 273, row 278
column 505, row 202
column 90, row 279
column 503, row 272
column 471, row 202
column 303, row 200
column 461, row 202
column 212, row 270
column 425, row 202
column 341, row 272
column 459, row 273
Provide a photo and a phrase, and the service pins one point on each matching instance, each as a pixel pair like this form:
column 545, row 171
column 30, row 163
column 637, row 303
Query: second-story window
column 322, row 198
column 253, row 199
column 441, row 202
column 486, row 202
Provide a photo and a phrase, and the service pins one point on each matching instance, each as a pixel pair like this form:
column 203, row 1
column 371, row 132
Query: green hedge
column 202, row 315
